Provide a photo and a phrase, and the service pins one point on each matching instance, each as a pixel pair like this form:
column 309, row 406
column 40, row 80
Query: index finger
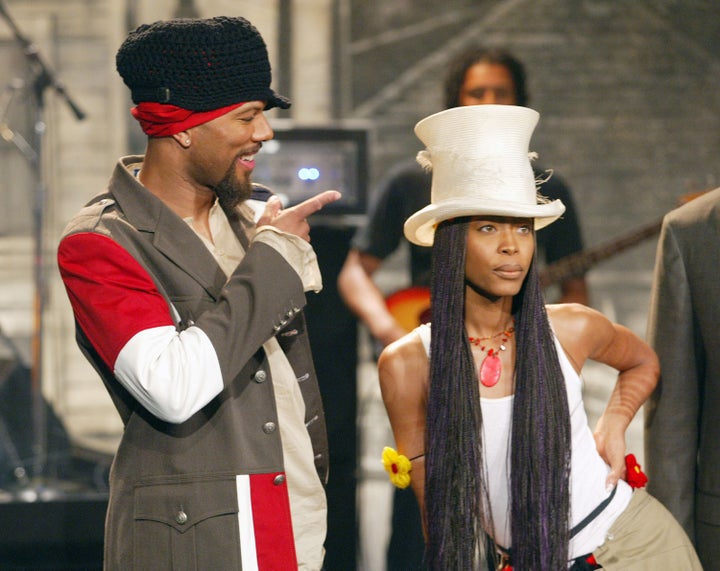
column 317, row 202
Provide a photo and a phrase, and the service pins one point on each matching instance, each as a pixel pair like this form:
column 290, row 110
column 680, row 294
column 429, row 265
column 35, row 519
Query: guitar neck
column 577, row 264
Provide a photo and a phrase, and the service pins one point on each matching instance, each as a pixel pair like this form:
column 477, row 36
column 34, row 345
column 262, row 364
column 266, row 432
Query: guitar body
column 410, row 307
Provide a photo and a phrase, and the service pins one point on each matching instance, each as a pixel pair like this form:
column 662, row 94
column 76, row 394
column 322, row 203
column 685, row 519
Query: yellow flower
column 398, row 467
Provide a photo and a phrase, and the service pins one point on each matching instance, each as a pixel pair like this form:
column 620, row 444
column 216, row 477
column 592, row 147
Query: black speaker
column 18, row 442
column 62, row 529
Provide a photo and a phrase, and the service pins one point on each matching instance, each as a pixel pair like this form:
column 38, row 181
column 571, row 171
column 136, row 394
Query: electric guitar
column 580, row 262
column 411, row 306
column 577, row 264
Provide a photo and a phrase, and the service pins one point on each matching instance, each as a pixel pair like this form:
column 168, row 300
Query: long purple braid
column 541, row 441
column 453, row 465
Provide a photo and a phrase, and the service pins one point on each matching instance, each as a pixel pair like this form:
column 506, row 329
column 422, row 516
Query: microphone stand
column 6, row 132
column 43, row 78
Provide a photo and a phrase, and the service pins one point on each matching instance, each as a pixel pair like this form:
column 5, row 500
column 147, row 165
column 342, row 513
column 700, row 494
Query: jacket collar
column 171, row 235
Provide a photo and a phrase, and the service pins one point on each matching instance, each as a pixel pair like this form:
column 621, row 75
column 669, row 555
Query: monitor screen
column 301, row 162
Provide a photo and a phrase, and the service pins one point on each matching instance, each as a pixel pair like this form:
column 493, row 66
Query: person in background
column 682, row 434
column 476, row 76
column 486, row 402
column 192, row 314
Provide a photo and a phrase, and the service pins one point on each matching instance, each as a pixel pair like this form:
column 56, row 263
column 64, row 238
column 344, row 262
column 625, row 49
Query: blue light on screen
column 308, row 173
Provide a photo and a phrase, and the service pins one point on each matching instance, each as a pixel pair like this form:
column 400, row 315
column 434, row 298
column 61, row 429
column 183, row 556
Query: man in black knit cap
column 188, row 302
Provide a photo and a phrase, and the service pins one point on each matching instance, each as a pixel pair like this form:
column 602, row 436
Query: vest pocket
column 186, row 522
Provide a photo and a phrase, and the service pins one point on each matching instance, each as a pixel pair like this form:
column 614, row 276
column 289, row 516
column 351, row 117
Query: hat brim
column 420, row 227
column 277, row 100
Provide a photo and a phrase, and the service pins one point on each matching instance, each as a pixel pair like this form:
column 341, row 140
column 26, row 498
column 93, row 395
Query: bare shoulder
column 580, row 329
column 572, row 319
column 403, row 367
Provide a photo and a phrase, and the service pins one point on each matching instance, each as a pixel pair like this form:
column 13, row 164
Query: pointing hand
column 293, row 220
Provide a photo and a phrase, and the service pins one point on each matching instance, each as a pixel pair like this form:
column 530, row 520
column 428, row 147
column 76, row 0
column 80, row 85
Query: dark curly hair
column 477, row 54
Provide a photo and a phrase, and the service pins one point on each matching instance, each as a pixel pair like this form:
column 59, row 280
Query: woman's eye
column 485, row 227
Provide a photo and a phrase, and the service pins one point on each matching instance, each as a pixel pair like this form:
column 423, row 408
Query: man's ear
column 183, row 139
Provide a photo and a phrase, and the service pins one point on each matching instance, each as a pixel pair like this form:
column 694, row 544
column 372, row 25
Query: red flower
column 635, row 476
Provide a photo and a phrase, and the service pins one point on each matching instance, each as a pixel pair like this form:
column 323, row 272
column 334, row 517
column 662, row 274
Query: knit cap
column 198, row 64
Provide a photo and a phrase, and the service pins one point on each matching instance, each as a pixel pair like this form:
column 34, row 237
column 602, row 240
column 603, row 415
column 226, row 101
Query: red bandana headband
column 163, row 120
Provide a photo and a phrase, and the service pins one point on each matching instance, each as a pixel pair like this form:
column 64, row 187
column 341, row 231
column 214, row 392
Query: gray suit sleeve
column 261, row 297
column 672, row 412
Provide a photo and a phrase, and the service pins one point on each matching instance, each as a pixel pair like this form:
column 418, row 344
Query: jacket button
column 268, row 427
column 279, row 479
column 181, row 517
column 260, row 376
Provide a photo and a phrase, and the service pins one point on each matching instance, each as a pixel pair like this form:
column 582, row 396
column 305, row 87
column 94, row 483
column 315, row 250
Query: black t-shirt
column 406, row 190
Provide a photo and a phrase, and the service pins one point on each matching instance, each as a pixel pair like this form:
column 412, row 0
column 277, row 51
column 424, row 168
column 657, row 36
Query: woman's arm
column 403, row 374
column 588, row 334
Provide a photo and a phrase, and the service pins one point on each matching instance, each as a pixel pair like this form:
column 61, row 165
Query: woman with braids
column 486, row 402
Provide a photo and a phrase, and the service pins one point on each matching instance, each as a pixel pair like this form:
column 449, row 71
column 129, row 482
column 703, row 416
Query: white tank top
column 588, row 470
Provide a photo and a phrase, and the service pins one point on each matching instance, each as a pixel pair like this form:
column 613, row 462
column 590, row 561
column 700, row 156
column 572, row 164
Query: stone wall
column 627, row 91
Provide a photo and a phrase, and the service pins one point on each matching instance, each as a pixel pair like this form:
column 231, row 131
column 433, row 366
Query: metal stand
column 42, row 79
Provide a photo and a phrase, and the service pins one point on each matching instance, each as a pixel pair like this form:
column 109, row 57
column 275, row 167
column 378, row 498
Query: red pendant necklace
column 491, row 366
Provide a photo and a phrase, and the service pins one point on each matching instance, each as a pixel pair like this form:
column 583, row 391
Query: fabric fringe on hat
column 424, row 159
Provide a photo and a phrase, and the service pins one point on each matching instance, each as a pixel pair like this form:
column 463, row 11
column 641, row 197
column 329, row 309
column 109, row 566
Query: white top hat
column 480, row 164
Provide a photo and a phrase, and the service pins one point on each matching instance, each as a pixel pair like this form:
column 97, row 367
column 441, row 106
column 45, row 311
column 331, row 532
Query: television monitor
column 298, row 163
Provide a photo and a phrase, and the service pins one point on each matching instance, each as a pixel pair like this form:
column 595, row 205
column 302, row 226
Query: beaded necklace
column 491, row 366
